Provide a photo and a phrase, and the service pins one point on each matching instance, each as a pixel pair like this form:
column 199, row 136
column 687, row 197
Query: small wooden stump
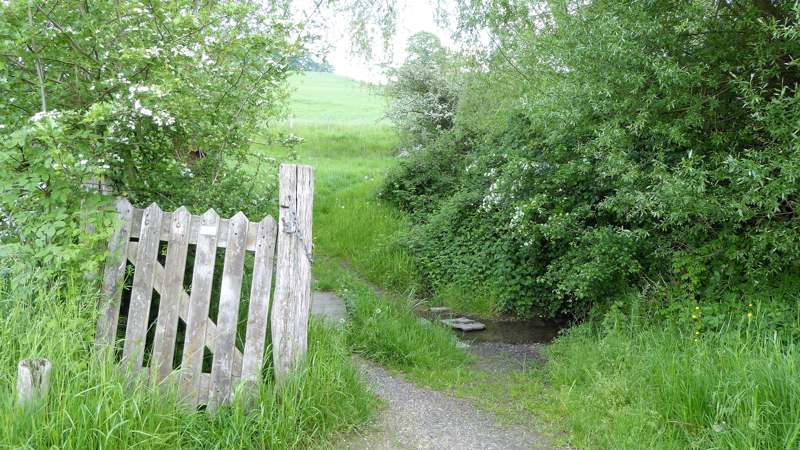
column 33, row 381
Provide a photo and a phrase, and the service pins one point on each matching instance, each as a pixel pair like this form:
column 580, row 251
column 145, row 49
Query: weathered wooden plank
column 168, row 309
column 222, row 240
column 228, row 315
column 183, row 307
column 305, row 203
column 114, row 275
column 142, row 290
column 199, row 303
column 258, row 310
column 292, row 296
column 205, row 387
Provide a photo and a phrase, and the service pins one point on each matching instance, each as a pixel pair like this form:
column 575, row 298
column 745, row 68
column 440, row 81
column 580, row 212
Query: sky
column 412, row 16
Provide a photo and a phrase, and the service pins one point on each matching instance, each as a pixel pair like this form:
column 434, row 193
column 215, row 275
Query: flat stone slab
column 328, row 306
column 440, row 310
column 464, row 324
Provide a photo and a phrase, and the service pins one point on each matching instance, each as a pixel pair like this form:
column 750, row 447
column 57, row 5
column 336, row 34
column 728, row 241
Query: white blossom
column 51, row 116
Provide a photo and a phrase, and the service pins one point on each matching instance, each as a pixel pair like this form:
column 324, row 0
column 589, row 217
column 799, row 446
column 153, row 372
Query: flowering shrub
column 424, row 90
column 158, row 99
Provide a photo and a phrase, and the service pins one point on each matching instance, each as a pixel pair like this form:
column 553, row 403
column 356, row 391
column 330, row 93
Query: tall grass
column 91, row 405
column 657, row 387
column 383, row 327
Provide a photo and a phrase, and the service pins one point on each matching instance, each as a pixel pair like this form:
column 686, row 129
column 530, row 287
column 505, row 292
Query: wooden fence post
column 292, row 298
column 33, row 381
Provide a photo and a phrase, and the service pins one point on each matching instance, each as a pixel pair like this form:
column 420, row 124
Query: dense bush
column 425, row 176
column 645, row 142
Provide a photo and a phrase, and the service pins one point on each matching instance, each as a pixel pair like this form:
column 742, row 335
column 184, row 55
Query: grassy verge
column 658, row 388
column 350, row 222
column 462, row 300
column 386, row 330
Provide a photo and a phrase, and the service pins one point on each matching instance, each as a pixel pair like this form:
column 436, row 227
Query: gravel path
column 419, row 418
column 498, row 357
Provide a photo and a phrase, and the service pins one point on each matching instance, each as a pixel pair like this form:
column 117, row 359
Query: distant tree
column 425, row 48
column 424, row 90
column 306, row 63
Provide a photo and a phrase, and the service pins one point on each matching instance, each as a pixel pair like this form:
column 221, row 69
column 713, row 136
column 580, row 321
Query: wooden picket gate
column 138, row 240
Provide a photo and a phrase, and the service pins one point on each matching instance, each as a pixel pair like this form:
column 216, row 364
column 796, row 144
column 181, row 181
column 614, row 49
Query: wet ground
column 533, row 331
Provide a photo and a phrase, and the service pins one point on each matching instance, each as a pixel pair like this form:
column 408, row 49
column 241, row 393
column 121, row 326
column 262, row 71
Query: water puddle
column 533, row 331
column 512, row 332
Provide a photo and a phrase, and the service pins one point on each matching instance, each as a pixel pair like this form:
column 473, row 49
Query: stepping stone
column 464, row 324
column 440, row 310
column 328, row 306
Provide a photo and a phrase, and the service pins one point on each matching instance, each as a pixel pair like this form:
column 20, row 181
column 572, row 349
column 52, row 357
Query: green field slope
column 319, row 98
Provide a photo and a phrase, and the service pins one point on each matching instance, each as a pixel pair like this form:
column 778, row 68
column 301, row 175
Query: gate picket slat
column 282, row 314
column 199, row 303
column 142, row 290
column 183, row 306
column 258, row 310
column 114, row 275
column 228, row 315
column 172, row 288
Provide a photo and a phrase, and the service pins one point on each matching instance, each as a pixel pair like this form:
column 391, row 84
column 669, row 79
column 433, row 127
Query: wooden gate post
column 292, row 298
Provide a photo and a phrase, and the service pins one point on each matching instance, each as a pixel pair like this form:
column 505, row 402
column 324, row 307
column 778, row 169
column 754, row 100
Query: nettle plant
column 158, row 99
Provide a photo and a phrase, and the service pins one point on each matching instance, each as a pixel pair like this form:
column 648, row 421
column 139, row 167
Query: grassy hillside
column 325, row 98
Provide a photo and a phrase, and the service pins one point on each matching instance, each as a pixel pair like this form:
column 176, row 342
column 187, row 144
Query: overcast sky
column 412, row 16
